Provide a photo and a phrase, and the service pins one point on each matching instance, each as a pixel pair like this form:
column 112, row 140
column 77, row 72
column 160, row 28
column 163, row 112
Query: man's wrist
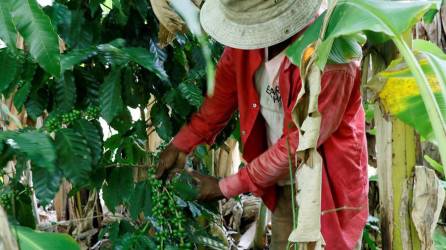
column 233, row 185
column 219, row 194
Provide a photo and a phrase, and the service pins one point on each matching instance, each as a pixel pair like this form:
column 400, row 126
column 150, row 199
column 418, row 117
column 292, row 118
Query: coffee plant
column 83, row 62
column 171, row 217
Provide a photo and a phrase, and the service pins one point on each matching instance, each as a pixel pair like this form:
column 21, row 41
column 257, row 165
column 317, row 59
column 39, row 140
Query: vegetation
column 110, row 65
column 75, row 67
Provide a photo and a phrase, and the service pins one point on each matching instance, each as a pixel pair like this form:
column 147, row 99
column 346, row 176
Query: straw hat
column 254, row 24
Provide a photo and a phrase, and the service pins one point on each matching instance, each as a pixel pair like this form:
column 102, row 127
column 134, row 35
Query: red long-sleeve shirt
column 342, row 139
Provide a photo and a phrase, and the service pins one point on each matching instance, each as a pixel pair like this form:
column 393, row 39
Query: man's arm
column 273, row 165
column 211, row 118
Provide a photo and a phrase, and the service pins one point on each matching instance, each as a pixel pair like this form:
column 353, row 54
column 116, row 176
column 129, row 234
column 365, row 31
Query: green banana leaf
column 354, row 16
column 437, row 60
column 29, row 239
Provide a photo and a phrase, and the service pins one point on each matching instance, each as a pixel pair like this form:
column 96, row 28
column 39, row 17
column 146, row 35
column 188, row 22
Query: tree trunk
column 396, row 159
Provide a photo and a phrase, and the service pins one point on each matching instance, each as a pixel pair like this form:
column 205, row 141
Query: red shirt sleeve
column 216, row 110
column 338, row 86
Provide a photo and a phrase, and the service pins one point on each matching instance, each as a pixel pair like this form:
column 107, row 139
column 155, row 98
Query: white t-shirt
column 267, row 85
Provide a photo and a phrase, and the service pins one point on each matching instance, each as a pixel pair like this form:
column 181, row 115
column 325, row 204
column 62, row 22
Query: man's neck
column 276, row 49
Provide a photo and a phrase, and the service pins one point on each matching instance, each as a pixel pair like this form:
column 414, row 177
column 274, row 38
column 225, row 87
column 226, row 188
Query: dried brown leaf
column 165, row 37
column 167, row 16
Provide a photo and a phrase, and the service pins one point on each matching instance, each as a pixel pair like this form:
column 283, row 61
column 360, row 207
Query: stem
column 145, row 227
column 293, row 198
column 210, row 68
column 176, row 213
column 79, row 203
column 432, row 107
column 293, row 205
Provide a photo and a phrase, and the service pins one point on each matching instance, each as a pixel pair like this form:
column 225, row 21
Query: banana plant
column 382, row 21
column 398, row 93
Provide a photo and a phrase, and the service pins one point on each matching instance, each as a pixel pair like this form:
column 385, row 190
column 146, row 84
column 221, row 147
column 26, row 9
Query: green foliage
column 110, row 95
column 24, row 80
column 74, row 57
column 21, row 95
column 434, row 164
column 92, row 132
column 73, row 156
column 46, row 183
column 7, row 60
column 346, row 49
column 370, row 233
column 352, row 17
column 111, row 63
column 147, row 60
column 140, row 200
column 400, row 97
column 170, row 222
column 185, row 187
column 191, row 93
column 177, row 103
column 34, row 240
column 15, row 199
column 39, row 34
column 33, row 145
column 7, row 28
column 437, row 61
column 57, row 120
column 65, row 93
column 439, row 239
column 118, row 187
column 161, row 121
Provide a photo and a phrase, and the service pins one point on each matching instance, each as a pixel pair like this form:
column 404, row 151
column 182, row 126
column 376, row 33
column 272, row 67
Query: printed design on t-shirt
column 274, row 93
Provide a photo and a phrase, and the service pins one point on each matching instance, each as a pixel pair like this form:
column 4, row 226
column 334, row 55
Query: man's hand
column 170, row 158
column 208, row 188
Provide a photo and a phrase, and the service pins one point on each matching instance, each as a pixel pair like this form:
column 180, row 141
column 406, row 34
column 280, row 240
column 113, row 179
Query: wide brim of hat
column 258, row 35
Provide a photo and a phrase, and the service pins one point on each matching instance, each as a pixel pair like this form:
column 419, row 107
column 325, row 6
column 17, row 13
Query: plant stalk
column 293, row 198
column 432, row 107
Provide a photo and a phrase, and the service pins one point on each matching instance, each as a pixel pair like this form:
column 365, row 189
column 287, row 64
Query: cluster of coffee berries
column 12, row 192
column 70, row 117
column 92, row 112
column 53, row 123
column 57, row 121
column 169, row 217
column 5, row 199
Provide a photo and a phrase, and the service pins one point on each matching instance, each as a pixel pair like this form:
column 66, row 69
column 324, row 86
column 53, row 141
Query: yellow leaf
column 398, row 89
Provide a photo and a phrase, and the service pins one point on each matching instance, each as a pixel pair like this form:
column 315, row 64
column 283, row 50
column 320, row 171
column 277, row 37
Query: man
column 255, row 77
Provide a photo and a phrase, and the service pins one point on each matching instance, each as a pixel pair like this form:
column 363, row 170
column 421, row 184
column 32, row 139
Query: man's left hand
column 208, row 188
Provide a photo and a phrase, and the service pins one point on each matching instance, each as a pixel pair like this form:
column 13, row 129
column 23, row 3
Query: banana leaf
column 350, row 17
column 397, row 90
column 29, row 239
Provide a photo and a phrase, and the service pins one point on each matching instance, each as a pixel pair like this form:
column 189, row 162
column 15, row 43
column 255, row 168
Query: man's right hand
column 171, row 158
